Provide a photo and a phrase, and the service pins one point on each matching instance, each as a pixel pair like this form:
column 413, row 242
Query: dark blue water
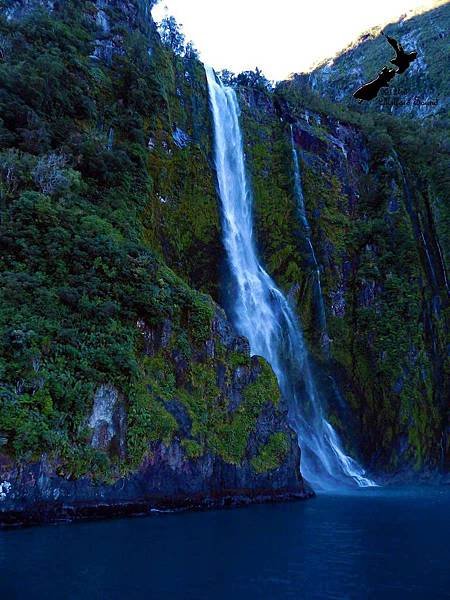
column 378, row 544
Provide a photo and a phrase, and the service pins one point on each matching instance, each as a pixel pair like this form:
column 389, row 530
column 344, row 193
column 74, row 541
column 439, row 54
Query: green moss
column 230, row 437
column 148, row 420
column 181, row 219
column 213, row 426
column 192, row 448
column 264, row 389
column 238, row 359
column 272, row 454
column 201, row 401
column 269, row 162
column 369, row 253
column 200, row 317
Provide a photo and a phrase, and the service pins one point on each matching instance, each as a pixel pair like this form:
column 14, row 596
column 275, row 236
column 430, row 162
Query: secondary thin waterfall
column 306, row 236
column 261, row 312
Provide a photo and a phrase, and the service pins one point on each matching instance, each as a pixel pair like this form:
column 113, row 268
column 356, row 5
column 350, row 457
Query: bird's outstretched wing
column 395, row 44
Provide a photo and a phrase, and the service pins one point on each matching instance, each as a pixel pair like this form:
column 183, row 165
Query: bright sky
column 278, row 36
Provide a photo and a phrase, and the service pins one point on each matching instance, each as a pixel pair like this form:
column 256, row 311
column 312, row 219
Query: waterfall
column 306, row 236
column 261, row 312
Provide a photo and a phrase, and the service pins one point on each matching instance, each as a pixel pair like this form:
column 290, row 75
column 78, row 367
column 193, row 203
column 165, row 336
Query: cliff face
column 122, row 387
column 423, row 91
column 377, row 330
column 209, row 430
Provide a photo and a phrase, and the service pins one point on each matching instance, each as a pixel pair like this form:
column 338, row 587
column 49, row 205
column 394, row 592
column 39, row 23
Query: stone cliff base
column 58, row 512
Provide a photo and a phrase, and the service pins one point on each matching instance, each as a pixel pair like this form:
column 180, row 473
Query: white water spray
column 262, row 314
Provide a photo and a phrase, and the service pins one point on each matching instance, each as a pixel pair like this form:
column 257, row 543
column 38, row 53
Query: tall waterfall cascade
column 261, row 313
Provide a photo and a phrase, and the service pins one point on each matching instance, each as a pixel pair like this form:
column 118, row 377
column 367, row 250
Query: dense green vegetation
column 213, row 426
column 272, row 454
column 84, row 232
column 109, row 218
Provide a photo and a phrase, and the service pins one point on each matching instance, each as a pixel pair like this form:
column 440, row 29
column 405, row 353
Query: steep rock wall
column 383, row 279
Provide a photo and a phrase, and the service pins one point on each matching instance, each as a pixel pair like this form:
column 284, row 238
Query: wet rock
column 181, row 365
column 338, row 304
column 222, row 329
column 167, row 480
column 155, row 337
column 398, row 385
column 393, row 205
column 19, row 9
column 126, row 13
column 108, row 421
column 241, row 344
column 5, row 488
column 209, row 349
column 309, row 142
column 166, row 333
column 367, row 293
column 181, row 138
column 181, row 415
column 168, row 477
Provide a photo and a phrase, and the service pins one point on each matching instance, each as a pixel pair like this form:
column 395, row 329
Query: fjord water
column 377, row 543
column 261, row 313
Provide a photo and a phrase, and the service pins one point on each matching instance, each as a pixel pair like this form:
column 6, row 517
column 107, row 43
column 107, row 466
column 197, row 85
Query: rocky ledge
column 224, row 443
column 39, row 495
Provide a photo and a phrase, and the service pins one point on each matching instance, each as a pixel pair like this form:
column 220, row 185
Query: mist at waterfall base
column 261, row 313
column 386, row 543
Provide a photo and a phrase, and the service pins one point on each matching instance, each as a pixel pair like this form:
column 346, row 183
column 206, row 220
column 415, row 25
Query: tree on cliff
column 171, row 35
column 254, row 79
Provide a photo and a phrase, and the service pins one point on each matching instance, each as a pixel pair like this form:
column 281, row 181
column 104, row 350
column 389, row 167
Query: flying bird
column 368, row 91
column 402, row 59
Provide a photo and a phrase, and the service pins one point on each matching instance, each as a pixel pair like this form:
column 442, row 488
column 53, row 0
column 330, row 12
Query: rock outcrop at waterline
column 226, row 440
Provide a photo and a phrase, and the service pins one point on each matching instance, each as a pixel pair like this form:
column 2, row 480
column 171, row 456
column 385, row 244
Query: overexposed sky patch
column 278, row 36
